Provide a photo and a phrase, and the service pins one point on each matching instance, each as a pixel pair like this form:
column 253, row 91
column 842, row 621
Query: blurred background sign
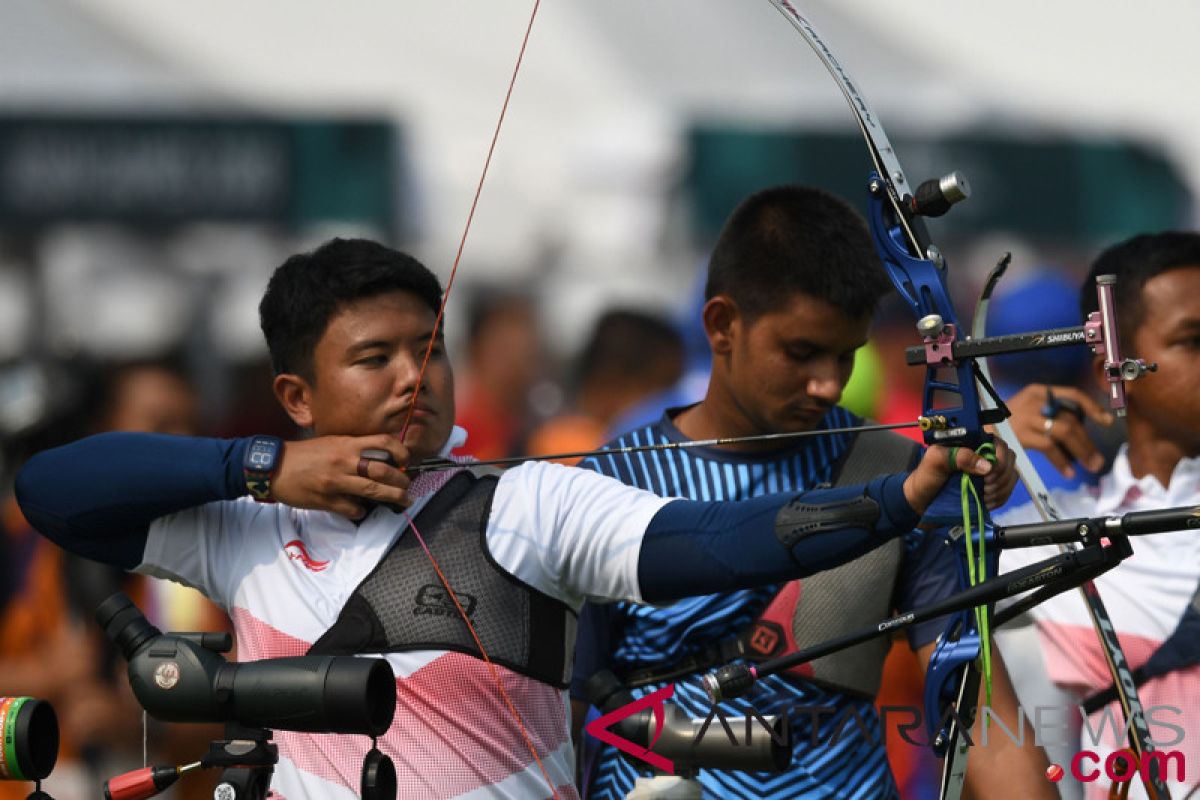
column 147, row 171
column 1068, row 190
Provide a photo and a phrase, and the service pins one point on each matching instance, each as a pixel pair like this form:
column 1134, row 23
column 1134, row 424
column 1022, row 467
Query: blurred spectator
column 697, row 364
column 49, row 645
column 629, row 356
column 503, row 365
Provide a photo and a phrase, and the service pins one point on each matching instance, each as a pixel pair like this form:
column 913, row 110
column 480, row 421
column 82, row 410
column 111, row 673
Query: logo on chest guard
column 433, row 599
column 766, row 638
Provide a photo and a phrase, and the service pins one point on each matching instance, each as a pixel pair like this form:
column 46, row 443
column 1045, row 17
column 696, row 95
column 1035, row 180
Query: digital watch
column 260, row 464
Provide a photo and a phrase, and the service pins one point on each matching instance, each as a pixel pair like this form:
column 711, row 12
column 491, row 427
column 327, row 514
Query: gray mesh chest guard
column 835, row 601
column 402, row 605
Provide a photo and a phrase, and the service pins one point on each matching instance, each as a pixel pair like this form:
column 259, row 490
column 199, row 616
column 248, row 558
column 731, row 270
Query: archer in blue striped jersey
column 792, row 286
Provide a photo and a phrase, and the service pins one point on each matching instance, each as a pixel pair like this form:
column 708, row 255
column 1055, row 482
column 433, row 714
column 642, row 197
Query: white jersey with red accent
column 284, row 574
column 1145, row 595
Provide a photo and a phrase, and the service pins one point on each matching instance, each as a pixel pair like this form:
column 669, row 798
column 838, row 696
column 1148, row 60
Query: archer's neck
column 719, row 415
column 1154, row 451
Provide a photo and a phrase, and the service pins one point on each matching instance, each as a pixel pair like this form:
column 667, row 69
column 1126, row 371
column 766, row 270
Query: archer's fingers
column 1091, row 409
column 1057, row 456
column 388, row 443
column 968, row 461
column 377, row 492
column 374, row 470
column 998, row 486
column 1070, row 435
column 349, row 507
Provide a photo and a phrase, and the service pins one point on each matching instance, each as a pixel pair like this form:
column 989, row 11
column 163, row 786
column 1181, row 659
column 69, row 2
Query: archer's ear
column 721, row 323
column 295, row 395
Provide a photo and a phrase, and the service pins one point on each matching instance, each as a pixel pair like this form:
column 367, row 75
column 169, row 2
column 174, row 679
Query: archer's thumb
column 964, row 459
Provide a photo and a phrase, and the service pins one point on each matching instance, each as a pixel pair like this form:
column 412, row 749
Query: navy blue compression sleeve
column 97, row 497
column 695, row 548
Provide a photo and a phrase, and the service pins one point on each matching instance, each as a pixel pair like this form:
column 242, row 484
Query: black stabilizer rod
column 1090, row 531
column 734, row 680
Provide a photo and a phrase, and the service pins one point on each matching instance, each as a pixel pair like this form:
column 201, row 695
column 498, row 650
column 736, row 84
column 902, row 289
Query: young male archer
column 1150, row 596
column 793, row 283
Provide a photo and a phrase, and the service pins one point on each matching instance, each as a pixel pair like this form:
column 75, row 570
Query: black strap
column 873, row 455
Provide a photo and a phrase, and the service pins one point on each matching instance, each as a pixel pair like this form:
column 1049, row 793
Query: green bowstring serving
column 977, row 570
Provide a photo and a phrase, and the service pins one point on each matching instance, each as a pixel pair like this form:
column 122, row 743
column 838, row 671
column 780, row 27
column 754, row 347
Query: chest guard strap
column 402, row 605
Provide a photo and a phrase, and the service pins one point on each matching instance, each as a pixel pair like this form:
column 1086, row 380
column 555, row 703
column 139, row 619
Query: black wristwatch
column 260, row 464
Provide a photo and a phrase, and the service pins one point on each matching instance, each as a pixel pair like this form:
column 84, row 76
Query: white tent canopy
column 593, row 134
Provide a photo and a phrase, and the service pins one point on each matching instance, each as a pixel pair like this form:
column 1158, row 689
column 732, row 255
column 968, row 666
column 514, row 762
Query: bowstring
column 462, row 242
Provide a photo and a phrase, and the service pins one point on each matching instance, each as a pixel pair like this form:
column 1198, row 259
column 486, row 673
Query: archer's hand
column 998, row 484
column 324, row 474
column 1061, row 437
column 935, row 469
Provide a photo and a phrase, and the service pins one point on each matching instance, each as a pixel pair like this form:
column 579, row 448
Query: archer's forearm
column 97, row 496
column 695, row 548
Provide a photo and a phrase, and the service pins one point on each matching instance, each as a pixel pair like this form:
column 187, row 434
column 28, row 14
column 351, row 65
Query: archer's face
column 365, row 369
column 1166, row 402
column 785, row 369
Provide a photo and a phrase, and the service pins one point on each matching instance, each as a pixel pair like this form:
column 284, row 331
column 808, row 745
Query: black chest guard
column 402, row 605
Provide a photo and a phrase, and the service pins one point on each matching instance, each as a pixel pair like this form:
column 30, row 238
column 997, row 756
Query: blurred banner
column 155, row 170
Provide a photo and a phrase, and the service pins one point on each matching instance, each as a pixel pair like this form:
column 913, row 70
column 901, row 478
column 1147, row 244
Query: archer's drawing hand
column 935, row 469
column 1050, row 419
column 328, row 473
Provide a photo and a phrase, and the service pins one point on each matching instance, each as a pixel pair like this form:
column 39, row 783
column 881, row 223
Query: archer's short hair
column 308, row 289
column 790, row 239
column 1135, row 261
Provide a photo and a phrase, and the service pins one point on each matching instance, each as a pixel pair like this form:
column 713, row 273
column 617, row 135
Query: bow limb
column 918, row 273
column 1140, row 740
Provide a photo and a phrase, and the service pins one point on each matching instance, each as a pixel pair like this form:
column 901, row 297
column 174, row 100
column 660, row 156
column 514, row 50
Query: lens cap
column 378, row 777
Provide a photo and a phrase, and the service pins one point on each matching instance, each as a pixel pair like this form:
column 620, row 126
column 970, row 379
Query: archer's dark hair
column 1135, row 261
column 308, row 289
column 791, row 239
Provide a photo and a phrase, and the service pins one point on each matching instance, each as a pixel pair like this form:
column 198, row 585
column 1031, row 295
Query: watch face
column 262, row 455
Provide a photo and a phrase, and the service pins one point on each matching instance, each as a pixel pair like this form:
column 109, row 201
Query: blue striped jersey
column 848, row 759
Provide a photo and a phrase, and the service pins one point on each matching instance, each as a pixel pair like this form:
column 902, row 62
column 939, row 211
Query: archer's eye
column 799, row 355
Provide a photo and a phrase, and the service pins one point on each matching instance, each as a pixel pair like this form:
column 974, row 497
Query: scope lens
column 361, row 693
column 28, row 738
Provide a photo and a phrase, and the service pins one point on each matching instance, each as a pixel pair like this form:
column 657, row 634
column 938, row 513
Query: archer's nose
column 407, row 368
column 825, row 386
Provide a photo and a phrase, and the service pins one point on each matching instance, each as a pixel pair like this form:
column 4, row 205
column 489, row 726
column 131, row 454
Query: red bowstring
column 462, row 242
column 417, row 389
column 486, row 658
